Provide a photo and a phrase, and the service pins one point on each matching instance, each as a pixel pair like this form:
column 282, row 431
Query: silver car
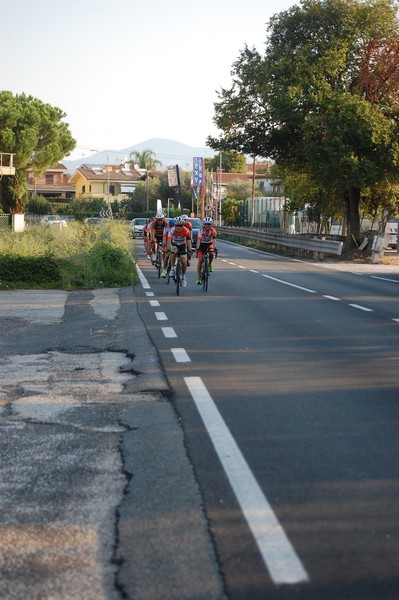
column 53, row 220
column 137, row 227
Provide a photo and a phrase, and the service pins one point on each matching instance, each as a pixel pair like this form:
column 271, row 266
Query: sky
column 129, row 71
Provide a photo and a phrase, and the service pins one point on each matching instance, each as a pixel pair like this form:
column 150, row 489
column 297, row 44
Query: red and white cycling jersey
column 179, row 236
column 206, row 236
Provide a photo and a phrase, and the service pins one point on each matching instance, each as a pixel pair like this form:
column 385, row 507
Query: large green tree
column 324, row 119
column 36, row 133
column 328, row 86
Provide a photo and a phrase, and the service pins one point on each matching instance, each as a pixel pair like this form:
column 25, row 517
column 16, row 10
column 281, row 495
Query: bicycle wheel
column 158, row 261
column 178, row 275
column 205, row 273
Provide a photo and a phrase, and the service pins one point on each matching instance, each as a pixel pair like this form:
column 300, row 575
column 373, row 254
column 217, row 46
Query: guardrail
column 317, row 245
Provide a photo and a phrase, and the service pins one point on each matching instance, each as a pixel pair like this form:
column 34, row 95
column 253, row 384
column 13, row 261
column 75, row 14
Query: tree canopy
column 145, row 159
column 325, row 100
column 232, row 162
column 36, row 133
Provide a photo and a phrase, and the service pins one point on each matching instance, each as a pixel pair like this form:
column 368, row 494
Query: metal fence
column 315, row 245
column 5, row 222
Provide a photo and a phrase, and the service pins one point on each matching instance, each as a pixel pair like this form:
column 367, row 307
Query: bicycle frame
column 159, row 259
column 205, row 271
column 205, row 268
column 178, row 272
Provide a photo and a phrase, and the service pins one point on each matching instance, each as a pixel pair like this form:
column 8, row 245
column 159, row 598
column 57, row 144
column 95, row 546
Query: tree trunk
column 352, row 201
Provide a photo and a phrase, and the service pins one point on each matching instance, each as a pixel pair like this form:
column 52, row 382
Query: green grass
column 78, row 256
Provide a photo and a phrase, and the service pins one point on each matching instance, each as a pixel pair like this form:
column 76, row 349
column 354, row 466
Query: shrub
column 73, row 257
column 27, row 271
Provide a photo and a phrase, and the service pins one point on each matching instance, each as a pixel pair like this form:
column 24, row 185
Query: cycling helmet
column 160, row 215
column 207, row 221
column 171, row 222
column 179, row 221
column 184, row 217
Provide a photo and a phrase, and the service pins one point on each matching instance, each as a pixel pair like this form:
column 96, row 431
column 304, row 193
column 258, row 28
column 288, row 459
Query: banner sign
column 173, row 177
column 198, row 170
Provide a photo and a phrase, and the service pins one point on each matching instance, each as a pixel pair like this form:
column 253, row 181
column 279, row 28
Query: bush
column 27, row 271
column 73, row 257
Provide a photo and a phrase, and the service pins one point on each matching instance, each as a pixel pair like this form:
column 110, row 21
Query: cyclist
column 179, row 240
column 146, row 236
column 188, row 226
column 164, row 244
column 156, row 232
column 206, row 240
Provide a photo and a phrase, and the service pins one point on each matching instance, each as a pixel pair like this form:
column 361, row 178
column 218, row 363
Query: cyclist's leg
column 173, row 251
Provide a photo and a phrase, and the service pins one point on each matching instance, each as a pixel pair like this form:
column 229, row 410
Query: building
column 54, row 183
column 112, row 182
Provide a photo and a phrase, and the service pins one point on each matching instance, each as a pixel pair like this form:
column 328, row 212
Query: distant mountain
column 168, row 152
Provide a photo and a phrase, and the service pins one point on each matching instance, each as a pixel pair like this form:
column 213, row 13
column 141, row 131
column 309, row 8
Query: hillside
column 168, row 152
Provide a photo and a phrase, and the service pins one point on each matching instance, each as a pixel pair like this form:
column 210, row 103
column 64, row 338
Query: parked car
column 391, row 230
column 54, row 220
column 136, row 226
column 95, row 221
column 196, row 223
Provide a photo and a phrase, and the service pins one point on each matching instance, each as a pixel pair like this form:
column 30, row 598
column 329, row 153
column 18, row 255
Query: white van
column 391, row 230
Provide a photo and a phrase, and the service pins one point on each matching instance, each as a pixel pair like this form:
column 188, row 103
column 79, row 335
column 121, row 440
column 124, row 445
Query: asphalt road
column 98, row 497
column 240, row 443
column 293, row 369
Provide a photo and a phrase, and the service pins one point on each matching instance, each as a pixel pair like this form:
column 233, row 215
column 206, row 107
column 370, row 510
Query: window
column 49, row 179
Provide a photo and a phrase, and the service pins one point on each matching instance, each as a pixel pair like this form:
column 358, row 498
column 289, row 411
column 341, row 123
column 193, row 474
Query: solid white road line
column 180, row 355
column 277, row 552
column 169, row 332
column 143, row 280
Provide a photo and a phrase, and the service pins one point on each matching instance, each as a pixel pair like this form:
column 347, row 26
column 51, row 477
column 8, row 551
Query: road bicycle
column 178, row 276
column 204, row 278
column 159, row 259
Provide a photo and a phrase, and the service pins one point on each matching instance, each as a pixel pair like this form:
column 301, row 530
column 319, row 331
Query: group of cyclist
column 175, row 237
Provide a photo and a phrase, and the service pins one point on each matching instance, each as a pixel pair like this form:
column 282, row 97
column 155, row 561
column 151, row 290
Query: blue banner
column 198, row 170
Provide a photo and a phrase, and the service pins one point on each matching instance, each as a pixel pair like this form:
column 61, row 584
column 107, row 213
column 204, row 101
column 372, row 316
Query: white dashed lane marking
column 161, row 316
column 169, row 332
column 361, row 307
column 180, row 355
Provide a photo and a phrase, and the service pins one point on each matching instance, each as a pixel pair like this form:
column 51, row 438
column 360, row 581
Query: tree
column 145, row 159
column 36, row 133
column 323, row 121
column 240, row 112
column 37, row 205
column 327, row 88
column 232, row 162
column 239, row 189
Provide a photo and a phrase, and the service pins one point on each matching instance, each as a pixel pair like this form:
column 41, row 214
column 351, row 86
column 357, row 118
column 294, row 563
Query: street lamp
column 108, row 177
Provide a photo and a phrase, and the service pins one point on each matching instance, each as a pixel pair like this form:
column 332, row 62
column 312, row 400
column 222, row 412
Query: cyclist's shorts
column 181, row 248
column 203, row 247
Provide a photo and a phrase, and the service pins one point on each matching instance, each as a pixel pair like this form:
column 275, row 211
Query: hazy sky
column 129, row 71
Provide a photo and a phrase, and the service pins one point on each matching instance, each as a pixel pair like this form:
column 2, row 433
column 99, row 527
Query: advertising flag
column 198, row 170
